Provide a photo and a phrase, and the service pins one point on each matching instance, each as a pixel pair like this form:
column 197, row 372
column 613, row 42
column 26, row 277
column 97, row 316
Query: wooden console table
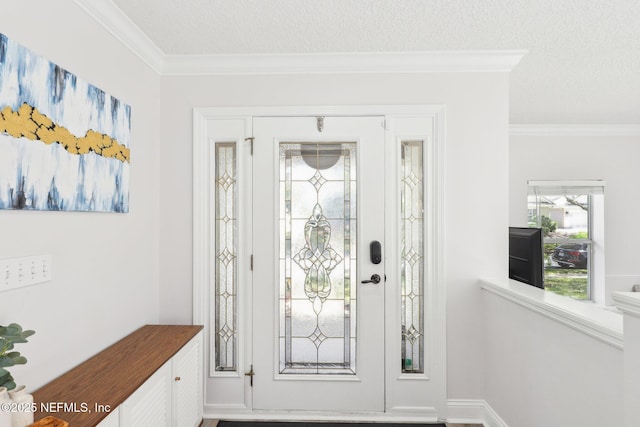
column 107, row 379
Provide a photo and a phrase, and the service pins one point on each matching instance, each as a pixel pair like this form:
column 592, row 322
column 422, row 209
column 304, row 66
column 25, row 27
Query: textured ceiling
column 583, row 65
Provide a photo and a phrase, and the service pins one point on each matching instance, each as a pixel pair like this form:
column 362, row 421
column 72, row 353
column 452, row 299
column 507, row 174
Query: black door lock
column 375, row 250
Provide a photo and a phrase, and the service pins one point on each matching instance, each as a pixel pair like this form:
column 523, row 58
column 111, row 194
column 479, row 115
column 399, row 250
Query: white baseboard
column 459, row 411
column 473, row 411
column 465, row 411
column 402, row 415
column 492, row 419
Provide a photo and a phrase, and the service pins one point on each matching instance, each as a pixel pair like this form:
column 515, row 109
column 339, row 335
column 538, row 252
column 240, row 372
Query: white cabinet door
column 187, row 384
column 150, row 405
column 112, row 420
column 171, row 397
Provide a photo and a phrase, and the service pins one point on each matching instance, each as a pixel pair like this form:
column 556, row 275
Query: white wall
column 614, row 159
column 105, row 266
column 476, row 160
column 629, row 303
column 540, row 372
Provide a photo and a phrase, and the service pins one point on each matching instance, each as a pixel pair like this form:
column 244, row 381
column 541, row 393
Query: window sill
column 588, row 318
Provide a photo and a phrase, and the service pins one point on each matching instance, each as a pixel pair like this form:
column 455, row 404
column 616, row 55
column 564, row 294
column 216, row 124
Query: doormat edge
column 319, row 423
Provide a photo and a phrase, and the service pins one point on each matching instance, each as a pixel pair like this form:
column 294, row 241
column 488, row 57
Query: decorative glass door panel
column 318, row 332
column 318, row 269
column 225, row 291
column 412, row 256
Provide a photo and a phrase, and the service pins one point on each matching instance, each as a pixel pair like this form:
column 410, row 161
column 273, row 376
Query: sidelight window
column 226, row 262
column 412, row 256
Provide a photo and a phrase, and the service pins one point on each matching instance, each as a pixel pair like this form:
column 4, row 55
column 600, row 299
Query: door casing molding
column 202, row 270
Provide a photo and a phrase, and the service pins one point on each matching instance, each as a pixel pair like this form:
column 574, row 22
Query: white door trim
column 202, row 190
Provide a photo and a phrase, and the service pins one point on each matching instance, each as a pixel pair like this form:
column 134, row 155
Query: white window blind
column 561, row 188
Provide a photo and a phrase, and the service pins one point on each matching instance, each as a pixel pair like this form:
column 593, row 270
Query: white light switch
column 24, row 271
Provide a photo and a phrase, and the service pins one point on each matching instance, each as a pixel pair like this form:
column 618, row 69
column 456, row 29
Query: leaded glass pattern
column 317, row 331
column 225, row 261
column 412, row 256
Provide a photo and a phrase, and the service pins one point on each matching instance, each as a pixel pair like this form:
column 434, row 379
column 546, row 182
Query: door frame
column 239, row 405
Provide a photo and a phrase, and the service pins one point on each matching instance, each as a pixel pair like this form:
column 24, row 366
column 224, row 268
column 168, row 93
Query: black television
column 526, row 261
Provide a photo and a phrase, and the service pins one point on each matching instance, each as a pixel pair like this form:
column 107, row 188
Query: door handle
column 375, row 279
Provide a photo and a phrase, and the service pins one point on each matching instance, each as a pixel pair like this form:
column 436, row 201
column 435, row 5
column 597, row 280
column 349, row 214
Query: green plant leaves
column 10, row 385
column 14, row 333
column 6, row 380
column 6, row 361
column 10, row 335
column 17, row 359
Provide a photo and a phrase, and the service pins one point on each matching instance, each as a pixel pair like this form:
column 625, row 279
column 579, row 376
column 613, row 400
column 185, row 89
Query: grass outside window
column 573, row 283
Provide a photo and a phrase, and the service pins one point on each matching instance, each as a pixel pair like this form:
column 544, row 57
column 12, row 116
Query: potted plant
column 9, row 336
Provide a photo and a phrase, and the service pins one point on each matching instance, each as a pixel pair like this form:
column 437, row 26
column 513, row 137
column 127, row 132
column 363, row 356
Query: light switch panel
column 24, row 271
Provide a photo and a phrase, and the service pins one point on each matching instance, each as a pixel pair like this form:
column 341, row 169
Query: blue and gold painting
column 64, row 143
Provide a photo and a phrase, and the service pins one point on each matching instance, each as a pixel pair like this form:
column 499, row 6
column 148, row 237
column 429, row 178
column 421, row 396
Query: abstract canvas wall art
column 64, row 143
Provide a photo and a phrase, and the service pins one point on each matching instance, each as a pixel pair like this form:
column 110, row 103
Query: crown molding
column 107, row 14
column 111, row 17
column 344, row 63
column 574, row 130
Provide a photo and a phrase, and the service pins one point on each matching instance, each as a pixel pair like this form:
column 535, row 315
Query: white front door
column 282, row 238
column 318, row 205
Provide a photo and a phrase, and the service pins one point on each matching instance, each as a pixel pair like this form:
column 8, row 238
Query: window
column 412, row 258
column 226, row 260
column 570, row 214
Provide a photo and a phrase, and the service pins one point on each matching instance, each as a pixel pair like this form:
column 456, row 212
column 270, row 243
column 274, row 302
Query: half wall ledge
column 593, row 320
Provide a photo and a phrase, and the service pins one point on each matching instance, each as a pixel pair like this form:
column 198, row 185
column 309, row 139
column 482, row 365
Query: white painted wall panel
column 543, row 373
